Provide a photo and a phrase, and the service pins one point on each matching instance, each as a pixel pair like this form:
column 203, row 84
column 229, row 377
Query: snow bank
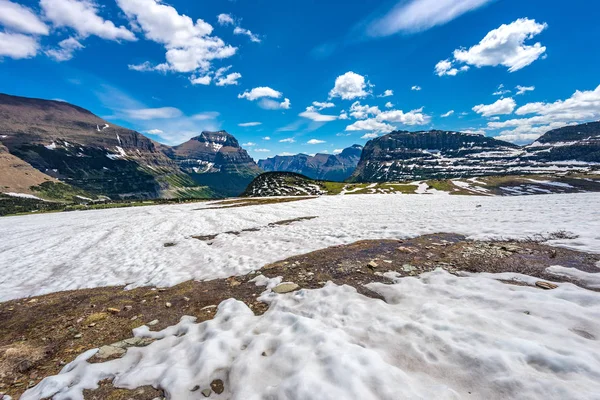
column 436, row 337
column 64, row 251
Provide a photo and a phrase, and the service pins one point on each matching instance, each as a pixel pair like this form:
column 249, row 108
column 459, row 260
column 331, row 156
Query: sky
column 288, row 77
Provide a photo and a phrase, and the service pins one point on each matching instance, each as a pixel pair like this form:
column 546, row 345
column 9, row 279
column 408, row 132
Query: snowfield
column 53, row 252
column 437, row 336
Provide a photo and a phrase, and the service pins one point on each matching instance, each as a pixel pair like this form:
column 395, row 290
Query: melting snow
column 23, row 195
column 437, row 336
column 64, row 251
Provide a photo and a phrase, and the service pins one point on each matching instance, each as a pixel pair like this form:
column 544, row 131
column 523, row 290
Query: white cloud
column 416, row 88
column 260, row 92
column 241, row 31
column 413, row 117
column 474, row 131
column 315, row 141
column 370, row 124
column 322, row 105
column 286, row 153
column 387, row 93
column 312, row 114
column 343, row 115
column 359, row 111
column 340, row 134
column 500, row 107
column 189, row 45
column 82, row 16
column 369, row 136
column 582, row 106
column 154, row 131
column 267, row 138
column 449, row 113
column 337, row 151
column 445, row 67
column 21, row 19
column 153, row 113
column 225, row 19
column 16, row 45
column 195, row 80
column 419, row 15
column 287, row 140
column 389, row 104
column 248, row 124
column 229, row 79
column 501, row 91
column 249, row 144
column 65, row 49
column 524, row 89
column 501, row 46
column 262, row 150
column 269, row 104
column 350, row 86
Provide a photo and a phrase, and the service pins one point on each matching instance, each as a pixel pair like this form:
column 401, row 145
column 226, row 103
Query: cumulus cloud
column 350, row 86
column 500, row 107
column 524, row 89
column 449, row 113
column 260, row 92
column 445, row 67
column 337, row 151
column 267, row 138
column 374, row 114
column 189, row 45
column 343, row 115
column 249, row 144
column 17, row 46
column 287, row 140
column 503, row 46
column 195, row 80
column 229, row 79
column 369, row 136
column 262, row 150
column 416, row 88
column 153, row 113
column 419, row 15
column 225, row 19
column 359, row 111
column 65, row 50
column 389, row 104
column 315, row 141
column 249, row 124
column 501, row 91
column 82, row 16
column 581, row 107
column 154, row 131
column 370, row 124
column 387, row 93
column 21, row 19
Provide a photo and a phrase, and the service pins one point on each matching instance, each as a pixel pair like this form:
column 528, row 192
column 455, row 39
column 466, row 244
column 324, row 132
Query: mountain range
column 402, row 156
column 67, row 143
column 330, row 167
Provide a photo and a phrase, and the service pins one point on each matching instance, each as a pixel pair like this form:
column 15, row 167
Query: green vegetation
column 60, row 192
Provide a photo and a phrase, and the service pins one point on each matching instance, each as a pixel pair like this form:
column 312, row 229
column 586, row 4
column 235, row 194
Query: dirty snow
column 22, row 195
column 63, row 251
column 436, row 336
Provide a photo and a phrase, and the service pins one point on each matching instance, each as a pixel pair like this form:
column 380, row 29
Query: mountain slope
column 401, row 156
column 577, row 142
column 216, row 160
column 73, row 145
column 17, row 176
column 332, row 167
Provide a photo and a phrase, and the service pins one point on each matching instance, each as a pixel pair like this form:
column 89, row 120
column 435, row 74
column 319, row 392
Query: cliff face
column 401, row 156
column 331, row 167
column 577, row 142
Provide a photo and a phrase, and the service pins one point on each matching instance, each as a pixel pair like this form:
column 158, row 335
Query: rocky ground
column 39, row 335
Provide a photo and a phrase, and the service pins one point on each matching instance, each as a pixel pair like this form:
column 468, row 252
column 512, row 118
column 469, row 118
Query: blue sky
column 311, row 76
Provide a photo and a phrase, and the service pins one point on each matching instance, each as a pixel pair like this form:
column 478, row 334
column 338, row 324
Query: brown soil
column 254, row 202
column 40, row 334
column 18, row 176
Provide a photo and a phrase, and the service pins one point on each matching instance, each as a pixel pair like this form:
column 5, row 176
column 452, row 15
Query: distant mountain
column 216, row 160
column 70, row 144
column 331, row 167
column 577, row 142
column 402, row 156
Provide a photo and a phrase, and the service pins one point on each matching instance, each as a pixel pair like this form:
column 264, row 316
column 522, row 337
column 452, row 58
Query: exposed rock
column 113, row 310
column 546, row 285
column 152, row 323
column 217, row 386
column 285, row 287
column 206, row 392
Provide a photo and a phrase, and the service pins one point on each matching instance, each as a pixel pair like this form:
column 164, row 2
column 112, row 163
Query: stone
column 93, row 324
column 186, row 298
column 113, row 310
column 408, row 268
column 168, row 305
column 127, row 308
column 217, row 386
column 110, row 351
column 208, row 307
column 372, row 264
column 78, row 336
column 546, row 285
column 206, row 392
column 408, row 250
column 152, row 323
column 285, row 287
column 134, row 318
